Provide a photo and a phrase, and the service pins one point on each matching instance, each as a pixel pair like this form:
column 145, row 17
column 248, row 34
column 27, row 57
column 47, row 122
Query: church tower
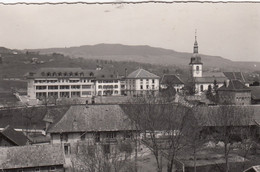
column 195, row 61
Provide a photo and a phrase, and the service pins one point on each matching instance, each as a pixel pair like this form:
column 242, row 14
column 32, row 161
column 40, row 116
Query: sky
column 230, row 30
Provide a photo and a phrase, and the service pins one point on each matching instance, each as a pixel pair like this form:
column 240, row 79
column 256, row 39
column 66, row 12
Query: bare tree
column 228, row 121
column 163, row 123
column 95, row 158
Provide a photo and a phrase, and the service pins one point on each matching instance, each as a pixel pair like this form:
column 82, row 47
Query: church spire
column 196, row 47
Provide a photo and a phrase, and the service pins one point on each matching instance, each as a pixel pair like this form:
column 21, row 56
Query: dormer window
column 71, row 73
column 81, row 74
column 43, row 73
column 76, row 74
column 59, row 74
column 54, row 74
column 48, row 74
column 65, row 73
column 91, row 74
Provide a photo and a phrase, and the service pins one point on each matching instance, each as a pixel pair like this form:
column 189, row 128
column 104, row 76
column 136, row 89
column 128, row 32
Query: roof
column 31, row 156
column 214, row 74
column 171, row 79
column 210, row 79
column 30, row 117
column 234, row 85
column 141, row 73
column 255, row 168
column 235, row 75
column 18, row 138
column 255, row 92
column 92, row 118
column 60, row 72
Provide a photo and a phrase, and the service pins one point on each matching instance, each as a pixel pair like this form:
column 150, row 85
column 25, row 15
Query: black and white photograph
column 129, row 86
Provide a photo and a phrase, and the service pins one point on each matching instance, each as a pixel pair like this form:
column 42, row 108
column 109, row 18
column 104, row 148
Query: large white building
column 76, row 82
column 60, row 82
column 140, row 82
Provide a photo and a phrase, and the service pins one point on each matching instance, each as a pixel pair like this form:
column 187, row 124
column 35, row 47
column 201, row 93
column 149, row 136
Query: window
column 37, row 169
column 141, row 87
column 64, row 137
column 100, row 86
column 116, row 86
column 66, row 149
column 83, row 136
column 153, row 81
column 52, row 168
column 86, row 86
column 147, row 86
column 111, row 135
column 197, row 68
column 152, row 86
column 106, row 149
column 201, row 87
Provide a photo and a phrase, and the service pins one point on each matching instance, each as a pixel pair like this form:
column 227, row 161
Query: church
column 203, row 80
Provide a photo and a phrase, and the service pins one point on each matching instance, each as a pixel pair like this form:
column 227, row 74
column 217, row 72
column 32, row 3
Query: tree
column 229, row 121
column 97, row 158
column 156, row 114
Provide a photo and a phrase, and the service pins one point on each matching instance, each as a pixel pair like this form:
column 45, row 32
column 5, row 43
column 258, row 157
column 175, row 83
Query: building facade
column 60, row 82
column 234, row 92
column 140, row 82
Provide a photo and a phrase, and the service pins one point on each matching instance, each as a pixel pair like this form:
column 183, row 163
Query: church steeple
column 195, row 47
column 195, row 60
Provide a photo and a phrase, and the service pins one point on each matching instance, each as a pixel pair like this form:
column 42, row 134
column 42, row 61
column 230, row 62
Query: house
column 104, row 124
column 255, row 93
column 140, row 82
column 60, row 82
column 171, row 80
column 234, row 92
column 203, row 80
column 107, row 83
column 32, row 158
column 10, row 137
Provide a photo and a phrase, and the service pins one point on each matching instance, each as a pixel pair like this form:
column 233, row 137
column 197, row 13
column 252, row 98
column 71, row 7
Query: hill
column 146, row 54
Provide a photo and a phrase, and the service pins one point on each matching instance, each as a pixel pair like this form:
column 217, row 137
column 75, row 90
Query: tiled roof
column 29, row 118
column 93, row 118
column 255, row 92
column 210, row 79
column 235, row 75
column 171, row 79
column 141, row 73
column 31, row 156
column 213, row 74
column 234, row 85
column 18, row 138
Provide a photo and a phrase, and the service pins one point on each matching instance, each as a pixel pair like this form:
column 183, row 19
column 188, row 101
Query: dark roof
column 31, row 156
column 255, row 92
column 29, row 118
column 60, row 72
column 92, row 118
column 234, row 85
column 106, row 73
column 210, row 79
column 18, row 138
column 235, row 75
column 141, row 73
column 195, row 59
column 171, row 79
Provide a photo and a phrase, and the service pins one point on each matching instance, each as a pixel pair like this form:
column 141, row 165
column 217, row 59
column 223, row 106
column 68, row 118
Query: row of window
column 108, row 81
column 53, row 168
column 147, row 87
column 62, row 81
column 56, row 87
column 107, row 86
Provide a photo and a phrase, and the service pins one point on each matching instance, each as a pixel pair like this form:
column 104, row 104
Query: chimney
column 125, row 72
